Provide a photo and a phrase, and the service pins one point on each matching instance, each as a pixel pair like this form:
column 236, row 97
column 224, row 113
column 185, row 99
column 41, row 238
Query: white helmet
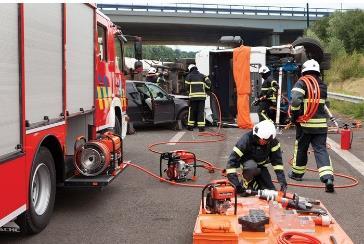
column 265, row 130
column 311, row 65
column 152, row 71
column 191, row 66
column 263, row 70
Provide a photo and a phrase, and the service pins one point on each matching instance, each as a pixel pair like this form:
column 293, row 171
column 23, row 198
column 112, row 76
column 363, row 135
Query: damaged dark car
column 148, row 104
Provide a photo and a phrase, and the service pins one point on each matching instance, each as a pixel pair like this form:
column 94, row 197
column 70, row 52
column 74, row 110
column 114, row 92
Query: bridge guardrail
column 346, row 98
column 222, row 9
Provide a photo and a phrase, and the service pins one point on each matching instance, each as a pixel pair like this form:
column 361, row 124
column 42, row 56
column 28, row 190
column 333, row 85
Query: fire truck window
column 101, row 30
column 118, row 53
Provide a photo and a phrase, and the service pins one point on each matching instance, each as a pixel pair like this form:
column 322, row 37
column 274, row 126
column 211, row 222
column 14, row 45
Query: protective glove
column 282, row 180
column 256, row 102
column 283, row 187
column 233, row 178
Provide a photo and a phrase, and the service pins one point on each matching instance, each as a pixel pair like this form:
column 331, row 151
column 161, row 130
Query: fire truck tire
column 42, row 192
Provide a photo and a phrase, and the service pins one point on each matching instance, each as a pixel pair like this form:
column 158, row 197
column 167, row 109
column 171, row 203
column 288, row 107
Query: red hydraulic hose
column 291, row 237
column 211, row 167
column 313, row 97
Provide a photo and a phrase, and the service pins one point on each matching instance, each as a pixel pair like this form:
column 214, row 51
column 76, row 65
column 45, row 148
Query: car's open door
column 135, row 104
column 162, row 104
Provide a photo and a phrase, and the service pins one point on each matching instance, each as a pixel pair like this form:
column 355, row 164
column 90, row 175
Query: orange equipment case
column 224, row 229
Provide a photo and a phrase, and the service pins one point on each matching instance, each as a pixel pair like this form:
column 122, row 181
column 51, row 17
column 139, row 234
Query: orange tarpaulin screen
column 241, row 69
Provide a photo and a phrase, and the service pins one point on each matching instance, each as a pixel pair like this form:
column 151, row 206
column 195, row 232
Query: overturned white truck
column 219, row 65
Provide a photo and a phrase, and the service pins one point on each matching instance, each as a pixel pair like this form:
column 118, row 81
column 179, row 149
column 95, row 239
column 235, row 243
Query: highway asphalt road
column 136, row 208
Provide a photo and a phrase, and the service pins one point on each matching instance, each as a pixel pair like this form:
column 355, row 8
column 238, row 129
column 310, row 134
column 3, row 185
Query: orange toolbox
column 225, row 228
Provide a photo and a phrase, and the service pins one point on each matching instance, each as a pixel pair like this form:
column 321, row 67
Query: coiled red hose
column 291, row 237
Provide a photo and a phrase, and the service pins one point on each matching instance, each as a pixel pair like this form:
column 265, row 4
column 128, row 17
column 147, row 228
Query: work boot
column 201, row 129
column 329, row 185
column 190, row 128
column 295, row 176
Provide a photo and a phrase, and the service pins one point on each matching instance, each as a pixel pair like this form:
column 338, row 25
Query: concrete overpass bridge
column 204, row 24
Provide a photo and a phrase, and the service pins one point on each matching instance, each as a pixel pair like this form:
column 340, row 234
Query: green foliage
column 162, row 53
column 346, row 66
column 348, row 27
column 342, row 35
column 351, row 109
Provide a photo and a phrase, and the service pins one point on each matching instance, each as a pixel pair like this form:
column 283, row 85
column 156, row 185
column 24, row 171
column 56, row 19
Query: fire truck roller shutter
column 9, row 84
column 43, row 61
column 79, row 57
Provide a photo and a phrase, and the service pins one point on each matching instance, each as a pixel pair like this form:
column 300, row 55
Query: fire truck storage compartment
column 223, row 84
column 10, row 84
column 43, row 62
column 76, row 126
column 80, row 57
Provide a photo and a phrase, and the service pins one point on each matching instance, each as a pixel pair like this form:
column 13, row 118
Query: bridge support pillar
column 275, row 38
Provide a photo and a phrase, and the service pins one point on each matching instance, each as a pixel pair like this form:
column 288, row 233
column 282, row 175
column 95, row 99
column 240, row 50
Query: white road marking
column 176, row 137
column 12, row 215
column 350, row 158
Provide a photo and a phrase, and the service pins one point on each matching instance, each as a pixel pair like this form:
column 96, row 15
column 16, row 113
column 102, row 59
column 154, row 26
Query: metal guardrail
column 222, row 9
column 346, row 98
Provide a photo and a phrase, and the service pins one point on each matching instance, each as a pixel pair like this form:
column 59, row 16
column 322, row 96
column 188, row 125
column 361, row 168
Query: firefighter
column 160, row 80
column 152, row 75
column 197, row 85
column 253, row 152
column 268, row 95
column 313, row 131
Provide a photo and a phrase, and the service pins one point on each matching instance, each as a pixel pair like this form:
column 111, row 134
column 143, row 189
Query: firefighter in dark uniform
column 253, row 152
column 268, row 95
column 313, row 131
column 197, row 85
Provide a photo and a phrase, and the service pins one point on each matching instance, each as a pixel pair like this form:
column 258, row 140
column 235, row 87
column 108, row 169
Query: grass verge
column 354, row 110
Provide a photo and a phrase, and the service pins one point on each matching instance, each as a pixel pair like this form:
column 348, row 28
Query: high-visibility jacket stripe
column 275, row 148
column 299, row 90
column 231, row 171
column 307, row 100
column 308, row 125
column 296, row 108
column 278, row 167
column 237, row 151
column 325, row 168
column 326, row 172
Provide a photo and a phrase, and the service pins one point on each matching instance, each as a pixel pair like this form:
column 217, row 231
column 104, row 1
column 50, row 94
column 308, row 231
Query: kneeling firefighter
column 197, row 85
column 253, row 152
column 314, row 130
column 268, row 95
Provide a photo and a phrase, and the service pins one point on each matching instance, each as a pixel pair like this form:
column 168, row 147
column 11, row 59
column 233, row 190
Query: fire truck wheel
column 42, row 192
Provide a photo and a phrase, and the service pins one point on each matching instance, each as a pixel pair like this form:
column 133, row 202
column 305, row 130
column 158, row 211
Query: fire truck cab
column 63, row 106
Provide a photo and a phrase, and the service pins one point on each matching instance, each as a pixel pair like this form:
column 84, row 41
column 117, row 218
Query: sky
column 335, row 4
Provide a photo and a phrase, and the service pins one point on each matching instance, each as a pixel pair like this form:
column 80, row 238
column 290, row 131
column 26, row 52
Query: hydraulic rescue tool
column 218, row 198
column 288, row 200
column 179, row 164
column 97, row 156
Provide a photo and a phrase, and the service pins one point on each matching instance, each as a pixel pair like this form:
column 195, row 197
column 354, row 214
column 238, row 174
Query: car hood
column 180, row 102
column 179, row 96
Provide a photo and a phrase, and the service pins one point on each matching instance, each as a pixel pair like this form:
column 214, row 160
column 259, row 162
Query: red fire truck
column 63, row 104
